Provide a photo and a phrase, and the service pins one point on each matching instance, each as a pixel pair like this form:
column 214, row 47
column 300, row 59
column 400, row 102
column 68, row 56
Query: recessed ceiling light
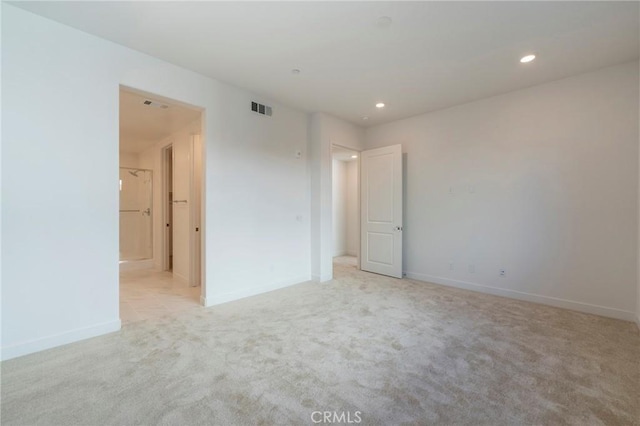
column 295, row 71
column 380, row 105
column 354, row 156
column 384, row 22
column 527, row 58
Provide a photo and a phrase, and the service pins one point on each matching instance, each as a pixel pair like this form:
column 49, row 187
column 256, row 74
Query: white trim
column 37, row 345
column 203, row 301
column 321, row 279
column 181, row 279
column 253, row 291
column 638, row 321
column 134, row 265
column 527, row 297
column 195, row 210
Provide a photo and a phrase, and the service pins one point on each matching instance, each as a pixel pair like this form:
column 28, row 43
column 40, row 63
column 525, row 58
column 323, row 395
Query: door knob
column 398, row 228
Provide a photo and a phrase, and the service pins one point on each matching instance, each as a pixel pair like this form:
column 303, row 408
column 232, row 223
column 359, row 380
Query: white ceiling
column 343, row 154
column 141, row 126
column 433, row 55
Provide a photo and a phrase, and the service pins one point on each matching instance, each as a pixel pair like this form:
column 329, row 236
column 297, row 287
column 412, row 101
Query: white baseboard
column 218, row 299
column 638, row 321
column 181, row 279
column 37, row 345
column 321, row 278
column 528, row 297
column 134, row 265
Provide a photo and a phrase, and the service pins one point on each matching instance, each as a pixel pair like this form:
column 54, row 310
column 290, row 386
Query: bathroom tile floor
column 149, row 294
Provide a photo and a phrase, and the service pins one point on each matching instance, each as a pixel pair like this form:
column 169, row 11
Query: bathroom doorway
column 160, row 201
column 136, row 201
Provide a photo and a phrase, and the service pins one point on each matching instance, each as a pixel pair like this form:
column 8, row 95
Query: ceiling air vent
column 155, row 104
column 261, row 109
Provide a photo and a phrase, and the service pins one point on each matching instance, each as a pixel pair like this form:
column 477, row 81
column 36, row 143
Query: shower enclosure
column 136, row 192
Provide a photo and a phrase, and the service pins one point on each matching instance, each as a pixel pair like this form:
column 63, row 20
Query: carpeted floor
column 366, row 347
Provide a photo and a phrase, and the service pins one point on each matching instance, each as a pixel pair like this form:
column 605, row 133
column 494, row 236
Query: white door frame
column 195, row 234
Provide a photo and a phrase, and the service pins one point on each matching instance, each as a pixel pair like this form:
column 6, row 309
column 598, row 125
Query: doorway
column 181, row 208
column 160, row 201
column 167, row 207
column 345, row 208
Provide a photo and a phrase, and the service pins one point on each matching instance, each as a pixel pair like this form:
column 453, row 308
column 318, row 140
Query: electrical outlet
column 451, row 265
column 503, row 273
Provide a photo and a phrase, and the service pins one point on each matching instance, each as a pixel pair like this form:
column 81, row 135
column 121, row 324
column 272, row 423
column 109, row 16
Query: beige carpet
column 397, row 351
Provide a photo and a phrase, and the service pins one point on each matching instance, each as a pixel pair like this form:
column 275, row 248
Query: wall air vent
column 261, row 109
column 155, row 104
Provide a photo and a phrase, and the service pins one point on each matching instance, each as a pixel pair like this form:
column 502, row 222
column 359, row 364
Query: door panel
column 181, row 209
column 381, row 210
column 196, row 226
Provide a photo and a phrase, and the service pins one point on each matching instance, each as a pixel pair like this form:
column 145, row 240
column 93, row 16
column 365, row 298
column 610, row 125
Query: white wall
column 129, row 159
column 325, row 131
column 345, row 200
column 553, row 173
column 1, row 186
column 60, row 220
column 339, row 207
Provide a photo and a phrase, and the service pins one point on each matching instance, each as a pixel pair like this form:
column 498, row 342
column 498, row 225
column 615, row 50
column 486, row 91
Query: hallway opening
column 345, row 205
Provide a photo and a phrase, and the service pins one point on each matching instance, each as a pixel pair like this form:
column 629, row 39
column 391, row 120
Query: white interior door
column 381, row 210
column 181, row 220
column 196, row 206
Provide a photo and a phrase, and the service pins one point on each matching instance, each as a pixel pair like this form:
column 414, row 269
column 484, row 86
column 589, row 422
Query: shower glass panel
column 135, row 214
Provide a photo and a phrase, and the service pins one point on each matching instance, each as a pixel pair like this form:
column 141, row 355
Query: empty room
column 285, row 213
